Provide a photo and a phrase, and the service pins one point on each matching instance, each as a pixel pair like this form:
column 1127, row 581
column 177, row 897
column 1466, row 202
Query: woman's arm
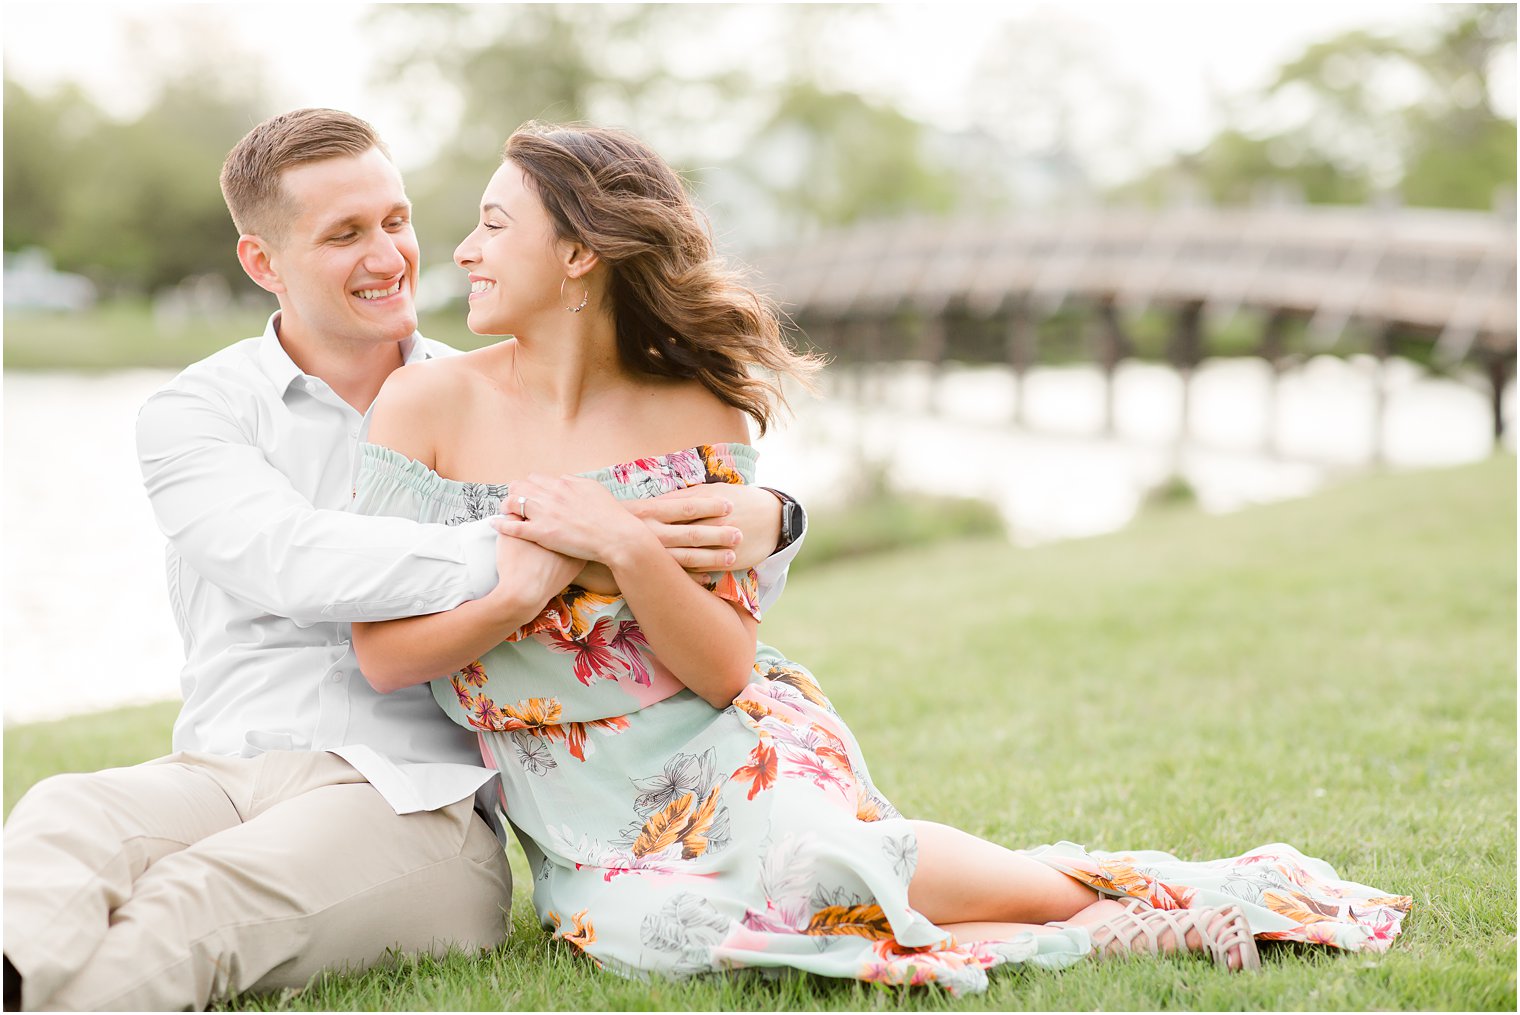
column 706, row 642
column 394, row 654
column 400, row 653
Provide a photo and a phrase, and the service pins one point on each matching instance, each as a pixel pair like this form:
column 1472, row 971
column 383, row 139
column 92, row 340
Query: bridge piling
column 1273, row 349
column 1382, row 348
column 1501, row 370
column 1186, row 351
column 934, row 338
column 1113, row 346
column 1021, row 346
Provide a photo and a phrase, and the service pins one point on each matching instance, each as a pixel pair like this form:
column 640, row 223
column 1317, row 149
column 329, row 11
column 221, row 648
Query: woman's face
column 513, row 257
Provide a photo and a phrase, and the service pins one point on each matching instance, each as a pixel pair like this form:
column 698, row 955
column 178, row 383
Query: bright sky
column 1173, row 62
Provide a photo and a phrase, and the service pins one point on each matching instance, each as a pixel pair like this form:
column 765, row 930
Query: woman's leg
column 1000, row 931
column 978, row 890
column 963, row 879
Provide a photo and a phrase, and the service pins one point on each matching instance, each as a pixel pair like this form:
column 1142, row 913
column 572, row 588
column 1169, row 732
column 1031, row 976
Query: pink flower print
column 630, row 645
column 688, row 467
column 594, row 656
column 808, row 767
column 628, row 472
column 767, row 922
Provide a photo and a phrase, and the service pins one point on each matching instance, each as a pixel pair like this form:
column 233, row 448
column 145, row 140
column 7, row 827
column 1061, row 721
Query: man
column 305, row 821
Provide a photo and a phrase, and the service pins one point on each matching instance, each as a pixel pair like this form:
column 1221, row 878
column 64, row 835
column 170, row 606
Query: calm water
column 86, row 619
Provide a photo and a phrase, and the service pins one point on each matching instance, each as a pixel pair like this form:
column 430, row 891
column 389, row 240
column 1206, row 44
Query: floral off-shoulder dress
column 668, row 836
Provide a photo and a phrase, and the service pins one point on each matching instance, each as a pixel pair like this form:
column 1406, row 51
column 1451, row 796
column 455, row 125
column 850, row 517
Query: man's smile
column 380, row 293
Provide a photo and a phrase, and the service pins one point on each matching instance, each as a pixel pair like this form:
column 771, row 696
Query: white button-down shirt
column 249, row 465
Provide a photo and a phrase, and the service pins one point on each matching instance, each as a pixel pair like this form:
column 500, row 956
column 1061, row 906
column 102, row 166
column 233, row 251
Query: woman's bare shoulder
column 419, row 402
column 689, row 414
column 419, row 387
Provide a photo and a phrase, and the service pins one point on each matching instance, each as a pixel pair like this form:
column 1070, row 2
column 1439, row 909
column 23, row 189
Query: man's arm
column 239, row 523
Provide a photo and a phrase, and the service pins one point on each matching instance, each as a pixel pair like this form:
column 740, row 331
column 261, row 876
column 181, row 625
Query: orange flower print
column 805, row 684
column 574, row 734
column 761, row 771
column 865, row 805
column 1164, row 896
column 754, row 709
column 533, row 712
column 859, row 921
column 1299, row 907
column 541, row 717
column 1118, row 876
column 739, row 589
column 583, row 933
column 719, row 466
column 554, row 617
column 474, row 674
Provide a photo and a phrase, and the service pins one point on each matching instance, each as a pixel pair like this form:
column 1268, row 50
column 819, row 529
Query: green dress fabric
column 669, row 836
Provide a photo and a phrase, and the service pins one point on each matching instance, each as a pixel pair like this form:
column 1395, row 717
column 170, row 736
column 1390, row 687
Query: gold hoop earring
column 585, row 296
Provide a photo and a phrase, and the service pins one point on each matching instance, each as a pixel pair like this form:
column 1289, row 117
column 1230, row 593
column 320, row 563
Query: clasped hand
column 579, row 518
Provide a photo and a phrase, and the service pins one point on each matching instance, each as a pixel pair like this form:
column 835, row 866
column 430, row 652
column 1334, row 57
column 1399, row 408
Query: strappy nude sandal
column 1139, row 920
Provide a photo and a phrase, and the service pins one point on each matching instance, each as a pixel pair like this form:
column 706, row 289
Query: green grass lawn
column 1336, row 672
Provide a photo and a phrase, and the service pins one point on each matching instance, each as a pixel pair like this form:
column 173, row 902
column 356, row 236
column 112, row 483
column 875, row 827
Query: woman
column 689, row 800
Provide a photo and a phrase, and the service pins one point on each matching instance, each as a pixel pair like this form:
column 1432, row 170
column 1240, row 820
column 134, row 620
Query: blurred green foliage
column 136, row 206
column 1444, row 146
column 779, row 147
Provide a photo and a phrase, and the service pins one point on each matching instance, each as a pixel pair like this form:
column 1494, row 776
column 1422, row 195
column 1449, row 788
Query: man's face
column 348, row 256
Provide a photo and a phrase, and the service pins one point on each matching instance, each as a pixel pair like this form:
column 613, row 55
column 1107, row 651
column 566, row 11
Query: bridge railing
column 1446, row 278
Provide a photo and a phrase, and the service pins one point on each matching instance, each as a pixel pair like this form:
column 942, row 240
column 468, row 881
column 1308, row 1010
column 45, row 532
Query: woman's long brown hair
column 678, row 310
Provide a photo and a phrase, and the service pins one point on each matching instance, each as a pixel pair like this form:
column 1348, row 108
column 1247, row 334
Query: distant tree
column 768, row 132
column 135, row 204
column 1461, row 149
column 1378, row 115
column 833, row 158
column 473, row 73
column 45, row 140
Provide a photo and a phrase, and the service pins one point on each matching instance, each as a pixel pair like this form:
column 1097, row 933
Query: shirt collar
column 282, row 370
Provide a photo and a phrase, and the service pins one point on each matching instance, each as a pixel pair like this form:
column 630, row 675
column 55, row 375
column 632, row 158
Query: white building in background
column 31, row 284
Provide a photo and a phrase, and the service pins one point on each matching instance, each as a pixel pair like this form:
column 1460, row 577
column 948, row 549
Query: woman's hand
column 573, row 516
column 528, row 576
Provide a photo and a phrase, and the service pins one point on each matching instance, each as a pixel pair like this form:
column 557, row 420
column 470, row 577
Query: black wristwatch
column 793, row 518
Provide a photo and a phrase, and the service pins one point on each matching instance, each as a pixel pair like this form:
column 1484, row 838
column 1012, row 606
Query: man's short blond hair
column 251, row 176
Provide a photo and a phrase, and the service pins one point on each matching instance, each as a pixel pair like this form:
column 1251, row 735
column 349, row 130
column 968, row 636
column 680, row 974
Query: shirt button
column 417, row 604
column 353, row 431
column 337, row 678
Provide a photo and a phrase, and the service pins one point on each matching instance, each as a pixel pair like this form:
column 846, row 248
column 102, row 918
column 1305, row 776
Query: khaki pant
column 169, row 884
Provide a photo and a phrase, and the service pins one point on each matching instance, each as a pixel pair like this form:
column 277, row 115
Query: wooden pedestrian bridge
column 1300, row 279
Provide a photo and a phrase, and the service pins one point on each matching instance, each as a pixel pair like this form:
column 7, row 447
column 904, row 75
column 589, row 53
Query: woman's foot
column 1134, row 928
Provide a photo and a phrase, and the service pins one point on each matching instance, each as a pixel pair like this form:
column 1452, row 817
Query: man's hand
column 714, row 527
column 694, row 525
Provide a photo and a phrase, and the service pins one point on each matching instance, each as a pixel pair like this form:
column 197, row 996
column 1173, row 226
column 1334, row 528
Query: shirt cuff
column 478, row 544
